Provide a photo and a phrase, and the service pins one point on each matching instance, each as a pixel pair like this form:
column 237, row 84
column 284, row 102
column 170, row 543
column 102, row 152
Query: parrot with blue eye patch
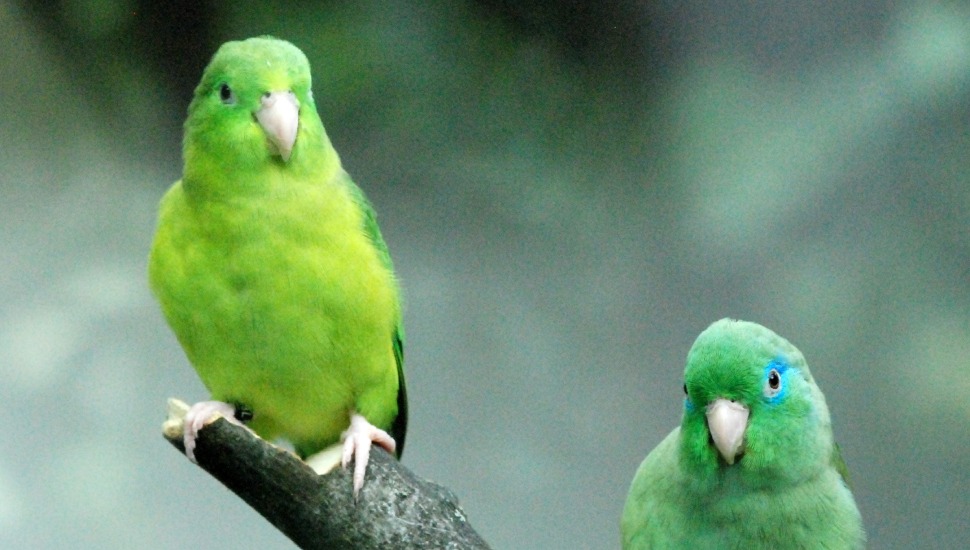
column 271, row 270
column 753, row 464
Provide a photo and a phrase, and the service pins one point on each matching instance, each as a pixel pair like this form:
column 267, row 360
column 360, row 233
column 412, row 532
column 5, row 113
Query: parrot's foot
column 357, row 441
column 201, row 414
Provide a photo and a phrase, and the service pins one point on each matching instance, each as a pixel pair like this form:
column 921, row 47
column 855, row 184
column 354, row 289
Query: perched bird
column 271, row 270
column 753, row 464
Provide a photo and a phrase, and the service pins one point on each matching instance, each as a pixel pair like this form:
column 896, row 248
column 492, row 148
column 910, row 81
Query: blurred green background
column 571, row 194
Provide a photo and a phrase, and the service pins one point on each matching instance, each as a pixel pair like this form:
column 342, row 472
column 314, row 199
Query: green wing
column 840, row 465
column 400, row 427
column 371, row 229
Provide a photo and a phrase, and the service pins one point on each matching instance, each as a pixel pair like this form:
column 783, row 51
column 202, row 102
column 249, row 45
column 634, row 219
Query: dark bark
column 395, row 508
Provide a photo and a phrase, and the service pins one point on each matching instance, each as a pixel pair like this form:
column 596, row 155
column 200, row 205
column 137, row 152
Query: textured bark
column 395, row 508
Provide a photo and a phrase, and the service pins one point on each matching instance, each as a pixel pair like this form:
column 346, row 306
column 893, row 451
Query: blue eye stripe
column 778, row 364
column 688, row 404
column 784, row 372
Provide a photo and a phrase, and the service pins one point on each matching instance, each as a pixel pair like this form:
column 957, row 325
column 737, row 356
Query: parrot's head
column 751, row 410
column 253, row 108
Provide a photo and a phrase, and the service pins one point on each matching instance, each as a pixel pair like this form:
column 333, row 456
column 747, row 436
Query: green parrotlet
column 271, row 270
column 753, row 464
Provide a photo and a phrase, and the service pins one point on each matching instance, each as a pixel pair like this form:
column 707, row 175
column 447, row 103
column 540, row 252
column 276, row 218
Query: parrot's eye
column 773, row 385
column 225, row 93
column 685, row 390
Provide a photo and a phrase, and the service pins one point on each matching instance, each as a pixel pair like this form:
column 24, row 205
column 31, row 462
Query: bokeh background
column 571, row 193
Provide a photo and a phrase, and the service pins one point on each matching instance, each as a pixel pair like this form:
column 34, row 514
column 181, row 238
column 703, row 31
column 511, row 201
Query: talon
column 201, row 414
column 357, row 443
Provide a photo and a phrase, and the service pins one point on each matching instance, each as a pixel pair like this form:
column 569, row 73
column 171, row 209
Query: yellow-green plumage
column 272, row 272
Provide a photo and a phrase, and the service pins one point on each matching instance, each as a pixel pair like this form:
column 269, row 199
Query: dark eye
column 225, row 93
column 773, row 384
column 685, row 390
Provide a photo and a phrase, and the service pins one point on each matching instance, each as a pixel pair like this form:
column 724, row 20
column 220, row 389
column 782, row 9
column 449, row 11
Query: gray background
column 571, row 194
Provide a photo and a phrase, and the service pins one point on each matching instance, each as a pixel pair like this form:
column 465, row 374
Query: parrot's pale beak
column 727, row 420
column 280, row 118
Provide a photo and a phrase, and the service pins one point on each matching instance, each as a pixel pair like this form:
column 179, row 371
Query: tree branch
column 395, row 508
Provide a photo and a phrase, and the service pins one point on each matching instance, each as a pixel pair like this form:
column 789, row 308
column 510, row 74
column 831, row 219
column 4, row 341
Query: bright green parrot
column 753, row 464
column 270, row 268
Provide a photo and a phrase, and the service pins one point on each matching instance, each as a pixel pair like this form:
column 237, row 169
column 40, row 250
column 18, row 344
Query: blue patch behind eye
column 784, row 372
column 688, row 404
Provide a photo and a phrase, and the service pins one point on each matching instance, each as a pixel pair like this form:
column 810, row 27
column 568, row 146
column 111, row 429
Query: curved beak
column 279, row 116
column 727, row 420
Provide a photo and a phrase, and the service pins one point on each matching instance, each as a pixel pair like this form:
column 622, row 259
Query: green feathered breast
column 273, row 273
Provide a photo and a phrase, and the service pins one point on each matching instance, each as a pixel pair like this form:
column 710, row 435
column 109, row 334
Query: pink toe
column 357, row 443
column 198, row 416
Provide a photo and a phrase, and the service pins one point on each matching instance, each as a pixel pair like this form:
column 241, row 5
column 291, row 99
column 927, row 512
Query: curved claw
column 357, row 443
column 201, row 414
